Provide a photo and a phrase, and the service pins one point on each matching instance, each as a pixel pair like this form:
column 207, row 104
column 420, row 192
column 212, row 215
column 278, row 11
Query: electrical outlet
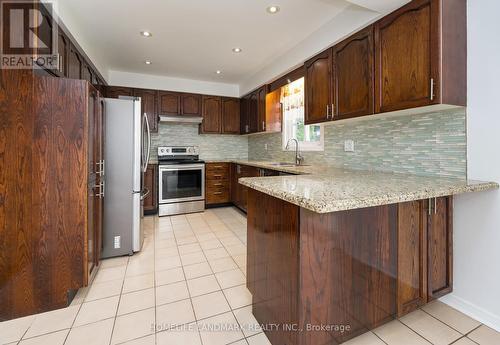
column 349, row 145
column 118, row 240
column 265, row 146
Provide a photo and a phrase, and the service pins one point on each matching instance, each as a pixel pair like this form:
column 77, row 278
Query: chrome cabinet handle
column 333, row 111
column 432, row 89
column 217, row 193
column 327, row 111
column 263, row 125
column 100, row 186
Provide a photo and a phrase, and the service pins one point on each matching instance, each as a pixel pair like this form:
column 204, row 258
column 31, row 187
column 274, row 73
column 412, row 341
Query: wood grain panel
column 318, row 88
column 412, row 256
column 169, row 103
column 230, row 115
column 272, row 263
column 348, row 263
column 212, row 114
column 191, row 104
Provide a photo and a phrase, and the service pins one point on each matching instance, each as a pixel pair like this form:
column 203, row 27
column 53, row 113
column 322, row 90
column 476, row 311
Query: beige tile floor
column 189, row 277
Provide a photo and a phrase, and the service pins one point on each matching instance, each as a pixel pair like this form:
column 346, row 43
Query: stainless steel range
column 181, row 185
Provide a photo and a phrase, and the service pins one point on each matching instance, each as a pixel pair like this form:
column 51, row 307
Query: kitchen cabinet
column 318, row 88
column 238, row 191
column 244, row 111
column 117, row 91
column 353, row 76
column 169, row 103
column 273, row 112
column 75, row 63
column 420, row 55
column 212, row 115
column 230, row 115
column 254, row 111
column 148, row 106
column 63, row 45
column 151, row 183
column 261, row 109
column 424, row 252
column 217, row 183
column 190, row 104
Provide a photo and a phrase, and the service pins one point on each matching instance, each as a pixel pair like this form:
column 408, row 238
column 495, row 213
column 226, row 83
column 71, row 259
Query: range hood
column 180, row 119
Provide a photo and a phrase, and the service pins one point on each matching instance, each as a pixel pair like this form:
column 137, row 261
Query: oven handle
column 182, row 167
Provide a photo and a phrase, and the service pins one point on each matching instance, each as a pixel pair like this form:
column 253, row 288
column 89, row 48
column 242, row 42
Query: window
column 309, row 137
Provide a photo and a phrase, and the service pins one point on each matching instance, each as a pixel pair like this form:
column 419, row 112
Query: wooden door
column 273, row 111
column 234, row 184
column 412, row 256
column 169, row 103
column 117, row 91
column 407, row 57
column 148, row 106
column 212, row 114
column 244, row 114
column 261, row 109
column 353, row 76
column 63, row 51
column 253, row 115
column 75, row 63
column 440, row 247
column 230, row 115
column 318, row 88
column 191, row 104
column 151, row 183
column 94, row 186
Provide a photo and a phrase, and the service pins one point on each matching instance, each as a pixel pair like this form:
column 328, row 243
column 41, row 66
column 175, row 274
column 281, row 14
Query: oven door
column 179, row 183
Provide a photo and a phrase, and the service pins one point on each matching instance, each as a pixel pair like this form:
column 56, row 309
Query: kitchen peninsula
column 333, row 253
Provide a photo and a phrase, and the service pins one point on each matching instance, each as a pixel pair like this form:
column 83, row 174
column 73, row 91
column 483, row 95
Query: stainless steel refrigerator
column 127, row 148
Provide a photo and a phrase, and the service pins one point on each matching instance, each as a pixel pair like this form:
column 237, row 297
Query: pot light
column 273, row 9
column 236, row 50
column 218, row 72
column 148, row 62
column 146, row 34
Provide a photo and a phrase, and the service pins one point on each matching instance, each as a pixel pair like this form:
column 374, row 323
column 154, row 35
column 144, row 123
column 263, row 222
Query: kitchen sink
column 287, row 164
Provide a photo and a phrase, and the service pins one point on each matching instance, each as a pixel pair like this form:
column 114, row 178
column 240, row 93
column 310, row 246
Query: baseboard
column 481, row 315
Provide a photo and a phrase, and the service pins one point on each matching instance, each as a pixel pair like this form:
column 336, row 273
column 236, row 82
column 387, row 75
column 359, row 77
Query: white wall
column 147, row 81
column 477, row 216
column 345, row 23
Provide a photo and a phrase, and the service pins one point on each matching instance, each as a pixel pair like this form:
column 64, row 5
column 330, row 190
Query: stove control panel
column 175, row 151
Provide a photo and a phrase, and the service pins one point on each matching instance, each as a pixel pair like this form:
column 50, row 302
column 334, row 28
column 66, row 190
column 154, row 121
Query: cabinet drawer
column 217, row 195
column 217, row 184
column 217, row 171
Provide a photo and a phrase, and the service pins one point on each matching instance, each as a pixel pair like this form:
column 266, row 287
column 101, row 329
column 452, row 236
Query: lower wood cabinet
column 239, row 192
column 151, row 183
column 217, row 183
column 424, row 252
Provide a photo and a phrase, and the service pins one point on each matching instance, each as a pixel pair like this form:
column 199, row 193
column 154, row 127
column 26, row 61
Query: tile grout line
column 456, row 330
column 118, row 306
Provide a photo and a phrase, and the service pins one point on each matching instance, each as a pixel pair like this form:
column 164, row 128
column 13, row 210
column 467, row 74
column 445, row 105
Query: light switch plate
column 118, row 240
column 349, row 145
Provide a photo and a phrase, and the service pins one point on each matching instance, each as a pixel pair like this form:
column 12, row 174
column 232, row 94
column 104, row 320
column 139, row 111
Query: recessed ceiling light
column 146, row 34
column 236, row 50
column 273, row 9
column 148, row 62
column 218, row 72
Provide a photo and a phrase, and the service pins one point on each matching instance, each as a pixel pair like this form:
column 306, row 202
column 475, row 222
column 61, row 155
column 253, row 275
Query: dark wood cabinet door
column 117, row 91
column 148, row 106
column 191, row 104
column 212, row 114
column 87, row 73
column 75, row 63
column 151, row 183
column 230, row 115
column 253, row 112
column 407, row 57
column 440, row 247
column 244, row 111
column 169, row 103
column 318, row 88
column 63, row 51
column 234, row 184
column 261, row 109
column 353, row 76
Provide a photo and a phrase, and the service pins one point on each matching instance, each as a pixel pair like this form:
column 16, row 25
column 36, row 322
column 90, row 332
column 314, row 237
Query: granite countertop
column 325, row 189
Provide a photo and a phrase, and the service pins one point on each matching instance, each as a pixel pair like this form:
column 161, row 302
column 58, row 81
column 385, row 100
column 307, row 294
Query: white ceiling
column 194, row 38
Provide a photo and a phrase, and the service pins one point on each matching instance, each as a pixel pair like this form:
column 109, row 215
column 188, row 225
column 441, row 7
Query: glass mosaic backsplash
column 212, row 146
column 424, row 144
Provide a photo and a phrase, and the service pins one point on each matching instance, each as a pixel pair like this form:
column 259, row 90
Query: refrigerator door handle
column 148, row 152
column 145, row 193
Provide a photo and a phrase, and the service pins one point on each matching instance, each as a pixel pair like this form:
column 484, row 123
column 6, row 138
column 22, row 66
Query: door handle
column 145, row 194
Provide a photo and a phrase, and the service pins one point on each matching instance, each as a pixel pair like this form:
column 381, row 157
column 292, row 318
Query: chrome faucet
column 298, row 157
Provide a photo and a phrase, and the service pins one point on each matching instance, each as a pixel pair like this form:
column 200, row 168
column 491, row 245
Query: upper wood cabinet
column 230, row 115
column 244, row 111
column 117, row 91
column 169, row 103
column 75, row 63
column 148, row 106
column 212, row 113
column 261, row 109
column 353, row 76
column 63, row 44
column 253, row 110
column 273, row 111
column 191, row 104
column 420, row 55
column 318, row 88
